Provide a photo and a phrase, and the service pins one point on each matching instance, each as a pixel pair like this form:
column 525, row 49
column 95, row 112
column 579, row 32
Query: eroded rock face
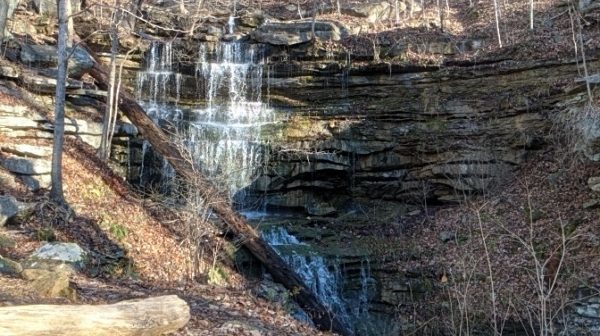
column 430, row 134
column 290, row 33
column 43, row 55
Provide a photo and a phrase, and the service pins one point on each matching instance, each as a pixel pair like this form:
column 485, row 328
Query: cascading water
column 222, row 132
column 225, row 135
column 324, row 277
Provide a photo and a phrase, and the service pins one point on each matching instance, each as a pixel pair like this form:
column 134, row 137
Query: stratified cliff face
column 380, row 132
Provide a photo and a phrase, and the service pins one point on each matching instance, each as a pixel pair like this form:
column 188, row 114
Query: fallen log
column 322, row 317
column 147, row 317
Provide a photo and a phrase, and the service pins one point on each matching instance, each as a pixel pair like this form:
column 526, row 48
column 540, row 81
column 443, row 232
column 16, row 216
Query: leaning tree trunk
column 323, row 317
column 144, row 317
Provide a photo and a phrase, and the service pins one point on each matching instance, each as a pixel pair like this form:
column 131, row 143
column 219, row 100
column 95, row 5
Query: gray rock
column 296, row 32
column 28, row 150
column 17, row 123
column 236, row 327
column 50, row 282
column 126, row 129
column 591, row 204
column 10, row 209
column 26, row 166
column 594, row 183
column 373, row 12
column 279, row 295
column 58, row 253
column 10, row 267
column 446, row 236
column 44, row 55
column 36, row 182
column 588, row 5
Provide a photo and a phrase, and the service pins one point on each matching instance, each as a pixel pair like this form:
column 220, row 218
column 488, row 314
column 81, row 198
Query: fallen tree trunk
column 147, row 317
column 323, row 317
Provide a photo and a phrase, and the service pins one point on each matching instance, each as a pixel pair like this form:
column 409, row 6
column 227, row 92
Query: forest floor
column 136, row 251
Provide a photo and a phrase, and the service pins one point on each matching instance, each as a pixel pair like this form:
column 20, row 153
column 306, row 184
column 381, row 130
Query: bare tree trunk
column 56, row 192
column 299, row 9
column 583, row 59
column 148, row 317
column 70, row 26
column 497, row 15
column 531, row 14
column 574, row 36
column 397, row 11
column 110, row 114
column 3, row 17
column 314, row 19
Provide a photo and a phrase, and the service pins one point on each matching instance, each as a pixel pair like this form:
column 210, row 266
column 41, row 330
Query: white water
column 324, row 277
column 223, row 131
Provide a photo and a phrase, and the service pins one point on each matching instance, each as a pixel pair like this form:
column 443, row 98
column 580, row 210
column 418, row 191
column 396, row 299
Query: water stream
column 221, row 131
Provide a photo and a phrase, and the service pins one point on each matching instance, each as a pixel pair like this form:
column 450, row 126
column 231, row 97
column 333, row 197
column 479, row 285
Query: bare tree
column 583, row 58
column 3, row 17
column 56, row 192
column 110, row 113
column 531, row 14
column 497, row 15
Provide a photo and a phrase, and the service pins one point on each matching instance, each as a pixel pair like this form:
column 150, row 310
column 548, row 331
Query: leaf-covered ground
column 136, row 251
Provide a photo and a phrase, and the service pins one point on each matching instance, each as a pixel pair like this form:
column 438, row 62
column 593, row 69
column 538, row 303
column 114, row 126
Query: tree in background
column 56, row 192
column 112, row 98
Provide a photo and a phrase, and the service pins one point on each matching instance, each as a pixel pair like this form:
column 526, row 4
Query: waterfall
column 225, row 134
column 323, row 277
column 222, row 127
column 221, row 130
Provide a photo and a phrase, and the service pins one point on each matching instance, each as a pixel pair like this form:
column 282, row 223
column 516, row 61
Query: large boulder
column 47, row 56
column 50, row 254
column 50, row 282
column 296, row 32
column 26, row 166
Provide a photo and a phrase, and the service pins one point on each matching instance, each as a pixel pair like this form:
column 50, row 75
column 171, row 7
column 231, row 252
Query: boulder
column 27, row 150
column 236, row 327
column 11, row 209
column 26, row 166
column 296, row 32
column 47, row 56
column 277, row 294
column 594, row 183
column 446, row 236
column 50, row 282
column 9, row 267
column 373, row 12
column 36, row 182
column 51, row 254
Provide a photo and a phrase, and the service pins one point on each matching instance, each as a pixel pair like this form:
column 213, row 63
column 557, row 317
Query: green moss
column 217, row 276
